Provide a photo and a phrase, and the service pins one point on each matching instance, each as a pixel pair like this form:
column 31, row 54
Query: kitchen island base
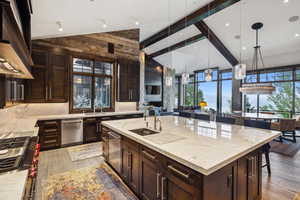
column 153, row 176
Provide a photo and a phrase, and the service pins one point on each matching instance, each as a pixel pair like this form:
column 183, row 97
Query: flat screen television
column 152, row 89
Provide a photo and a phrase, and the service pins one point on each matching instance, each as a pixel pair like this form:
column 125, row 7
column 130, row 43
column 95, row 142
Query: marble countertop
column 13, row 185
column 86, row 115
column 200, row 145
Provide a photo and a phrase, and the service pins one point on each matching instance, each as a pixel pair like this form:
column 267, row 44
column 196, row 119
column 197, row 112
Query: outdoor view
column 87, row 73
column 284, row 102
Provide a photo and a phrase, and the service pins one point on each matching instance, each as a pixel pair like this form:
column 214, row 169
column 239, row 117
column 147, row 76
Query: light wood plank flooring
column 283, row 184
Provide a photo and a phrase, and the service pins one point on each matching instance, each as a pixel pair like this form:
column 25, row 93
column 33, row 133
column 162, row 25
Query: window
column 226, row 87
column 177, row 92
column 82, row 91
column 92, row 84
column 250, row 103
column 206, row 90
column 189, row 91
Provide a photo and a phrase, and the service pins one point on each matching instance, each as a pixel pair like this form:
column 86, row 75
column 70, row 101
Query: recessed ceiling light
column 227, row 24
column 285, row 1
column 244, row 48
column 104, row 25
column 137, row 23
column 297, row 35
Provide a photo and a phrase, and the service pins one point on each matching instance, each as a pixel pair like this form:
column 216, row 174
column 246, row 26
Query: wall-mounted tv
column 152, row 89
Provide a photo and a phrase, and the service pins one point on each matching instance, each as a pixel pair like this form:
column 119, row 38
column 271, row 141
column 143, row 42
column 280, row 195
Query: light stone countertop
column 200, row 145
column 85, row 115
column 13, row 185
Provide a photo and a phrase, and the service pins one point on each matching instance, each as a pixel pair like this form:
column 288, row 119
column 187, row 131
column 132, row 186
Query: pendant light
column 240, row 69
column 257, row 88
column 169, row 79
column 185, row 76
column 208, row 72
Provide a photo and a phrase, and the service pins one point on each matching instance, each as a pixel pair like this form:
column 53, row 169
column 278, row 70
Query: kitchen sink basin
column 144, row 131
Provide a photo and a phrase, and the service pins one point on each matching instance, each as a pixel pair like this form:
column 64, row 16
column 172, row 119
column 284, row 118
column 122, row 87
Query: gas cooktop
column 11, row 152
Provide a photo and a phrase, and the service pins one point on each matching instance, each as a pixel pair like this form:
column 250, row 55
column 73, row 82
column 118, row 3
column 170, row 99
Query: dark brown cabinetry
column 249, row 177
column 150, row 175
column 130, row 164
column 128, row 80
column 49, row 134
column 91, row 130
column 50, row 83
column 153, row 176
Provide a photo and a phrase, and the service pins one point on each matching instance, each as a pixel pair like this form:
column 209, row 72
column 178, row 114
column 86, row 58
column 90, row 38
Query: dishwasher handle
column 79, row 121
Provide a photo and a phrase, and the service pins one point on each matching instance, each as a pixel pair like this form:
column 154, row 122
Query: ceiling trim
column 200, row 14
column 211, row 36
column 178, row 45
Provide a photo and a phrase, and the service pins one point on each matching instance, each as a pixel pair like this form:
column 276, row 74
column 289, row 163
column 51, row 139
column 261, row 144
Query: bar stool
column 266, row 147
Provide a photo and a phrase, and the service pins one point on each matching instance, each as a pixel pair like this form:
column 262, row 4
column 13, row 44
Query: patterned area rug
column 95, row 183
column 286, row 149
column 85, row 151
column 297, row 197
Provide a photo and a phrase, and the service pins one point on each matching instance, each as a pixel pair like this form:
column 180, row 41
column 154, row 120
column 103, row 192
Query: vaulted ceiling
column 280, row 46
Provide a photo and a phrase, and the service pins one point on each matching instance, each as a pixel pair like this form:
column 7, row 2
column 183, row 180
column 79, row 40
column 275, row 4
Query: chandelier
column 257, row 88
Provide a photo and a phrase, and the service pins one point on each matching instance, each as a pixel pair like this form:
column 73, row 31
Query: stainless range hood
column 11, row 64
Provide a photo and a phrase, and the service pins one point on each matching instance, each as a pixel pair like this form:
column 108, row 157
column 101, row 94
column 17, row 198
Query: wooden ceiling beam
column 178, row 45
column 200, row 14
column 211, row 36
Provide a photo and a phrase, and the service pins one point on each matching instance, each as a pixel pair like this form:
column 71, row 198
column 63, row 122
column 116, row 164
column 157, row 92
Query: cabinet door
column 123, row 81
column 90, row 130
column 133, row 169
column 50, row 134
column 150, row 176
column 225, row 189
column 179, row 182
column 36, row 89
column 249, row 177
column 58, row 78
column 134, row 81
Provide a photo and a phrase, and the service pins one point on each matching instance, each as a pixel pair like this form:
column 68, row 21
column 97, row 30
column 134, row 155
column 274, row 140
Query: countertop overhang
column 203, row 146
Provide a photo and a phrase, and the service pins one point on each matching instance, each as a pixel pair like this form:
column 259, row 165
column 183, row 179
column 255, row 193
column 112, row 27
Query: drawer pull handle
column 178, row 172
column 162, row 188
column 157, row 185
column 50, row 123
column 229, row 180
column 50, row 130
column 149, row 155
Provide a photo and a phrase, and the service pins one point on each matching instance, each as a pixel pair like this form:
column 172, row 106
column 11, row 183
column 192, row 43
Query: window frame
column 93, row 75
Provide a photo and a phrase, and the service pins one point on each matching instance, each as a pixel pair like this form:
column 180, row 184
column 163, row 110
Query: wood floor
column 283, row 184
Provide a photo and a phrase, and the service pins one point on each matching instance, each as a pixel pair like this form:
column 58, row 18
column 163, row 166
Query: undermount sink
column 144, row 131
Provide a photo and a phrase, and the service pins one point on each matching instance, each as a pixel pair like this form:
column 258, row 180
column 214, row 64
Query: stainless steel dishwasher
column 72, row 132
column 114, row 150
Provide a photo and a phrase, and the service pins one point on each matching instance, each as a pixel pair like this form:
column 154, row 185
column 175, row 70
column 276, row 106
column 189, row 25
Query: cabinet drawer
column 149, row 154
column 180, row 171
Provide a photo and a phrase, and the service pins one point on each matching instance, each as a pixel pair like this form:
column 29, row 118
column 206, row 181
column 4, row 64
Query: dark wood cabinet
column 49, row 134
column 150, row 175
column 153, row 176
column 249, row 177
column 129, row 80
column 225, row 188
column 130, row 164
column 50, row 83
column 58, row 76
column 91, row 130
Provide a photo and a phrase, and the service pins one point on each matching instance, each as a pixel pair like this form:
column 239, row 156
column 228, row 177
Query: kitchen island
column 189, row 159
